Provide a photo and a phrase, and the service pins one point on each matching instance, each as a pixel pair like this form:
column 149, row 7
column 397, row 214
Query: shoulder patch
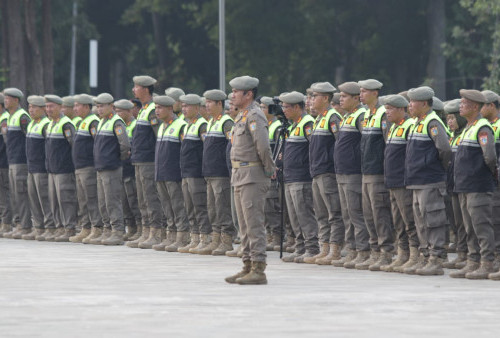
column 67, row 133
column 483, row 138
column 253, row 126
column 92, row 131
column 154, row 121
column 308, row 130
column 384, row 124
column 434, row 131
column 119, row 130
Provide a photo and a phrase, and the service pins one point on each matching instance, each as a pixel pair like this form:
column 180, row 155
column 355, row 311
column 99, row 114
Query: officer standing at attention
column 176, row 93
column 428, row 155
column 324, row 185
column 168, row 174
column 376, row 202
column 394, row 171
column 474, row 173
column 41, row 215
column 15, row 137
column 131, row 213
column 62, row 187
column 5, row 207
column 143, row 157
column 194, row 187
column 216, row 173
column 85, row 174
column 347, row 159
column 68, row 110
column 111, row 147
column 252, row 168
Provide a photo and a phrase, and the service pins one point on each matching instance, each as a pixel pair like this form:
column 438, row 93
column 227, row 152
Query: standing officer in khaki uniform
column 252, row 168
column 428, row 155
column 85, row 174
column 62, row 187
column 111, row 147
column 5, row 206
column 474, row 173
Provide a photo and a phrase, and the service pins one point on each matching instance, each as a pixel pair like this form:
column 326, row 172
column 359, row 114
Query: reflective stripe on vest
column 168, row 150
column 296, row 154
column 58, row 149
column 395, row 155
column 174, row 130
column 55, row 130
column 16, row 139
column 106, row 145
column 193, row 129
column 83, row 127
column 321, row 126
column 83, row 143
column 130, row 129
column 347, row 155
column 35, row 146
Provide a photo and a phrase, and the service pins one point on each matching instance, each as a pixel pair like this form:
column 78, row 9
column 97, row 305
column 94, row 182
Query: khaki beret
column 336, row 98
column 323, row 87
column 473, row 95
column 1, row 98
column 68, row 101
column 203, row 102
column 83, row 99
column 244, row 83
column 397, row 101
column 36, row 100
column 164, row 100
column 174, row 93
column 144, row 80
column 104, row 98
column 490, row 96
column 123, row 104
column 370, row 84
column 266, row 100
column 437, row 104
column 351, row 88
column 13, row 92
column 309, row 91
column 53, row 98
column 292, row 98
column 230, row 96
column 190, row 99
column 452, row 106
column 405, row 95
column 423, row 93
column 215, row 95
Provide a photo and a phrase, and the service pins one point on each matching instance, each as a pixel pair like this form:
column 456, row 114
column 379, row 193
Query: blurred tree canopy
column 286, row 44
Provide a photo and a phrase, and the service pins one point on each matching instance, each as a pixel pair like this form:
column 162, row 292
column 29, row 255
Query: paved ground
column 74, row 290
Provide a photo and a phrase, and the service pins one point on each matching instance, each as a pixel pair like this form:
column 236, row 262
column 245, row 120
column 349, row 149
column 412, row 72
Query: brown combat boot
column 169, row 239
column 402, row 258
column 365, row 265
column 361, row 257
column 434, row 267
column 156, row 236
column 81, row 236
column 256, row 275
column 412, row 260
column 12, row 231
column 33, row 234
column 193, row 243
column 234, row 252
column 461, row 257
column 333, row 255
column 269, row 241
column 116, row 238
column 131, row 231
column 204, row 244
column 95, row 232
column 291, row 258
column 247, row 266
column 20, row 233
column 289, row 246
column 384, row 259
column 483, row 271
column 47, row 233
column 182, row 239
column 305, row 255
column 226, row 244
column 58, row 232
column 144, row 236
column 421, row 262
column 277, row 242
column 106, row 232
column 136, row 235
column 469, row 267
column 65, row 236
column 351, row 255
column 324, row 250
column 5, row 228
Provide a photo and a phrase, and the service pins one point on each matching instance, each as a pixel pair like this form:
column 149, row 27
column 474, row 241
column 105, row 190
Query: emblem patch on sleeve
column 67, row 133
column 119, row 130
column 483, row 138
column 92, row 131
column 308, row 130
column 434, row 131
column 384, row 124
column 333, row 127
column 154, row 122
column 253, row 126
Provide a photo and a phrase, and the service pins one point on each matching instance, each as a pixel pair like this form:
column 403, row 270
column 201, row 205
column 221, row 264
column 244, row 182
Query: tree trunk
column 436, row 66
column 5, row 45
column 48, row 47
column 161, row 47
column 15, row 42
column 33, row 56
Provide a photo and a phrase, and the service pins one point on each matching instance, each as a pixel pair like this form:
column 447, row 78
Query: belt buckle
column 243, row 164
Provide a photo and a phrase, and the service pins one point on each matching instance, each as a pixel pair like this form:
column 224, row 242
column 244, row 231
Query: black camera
column 276, row 109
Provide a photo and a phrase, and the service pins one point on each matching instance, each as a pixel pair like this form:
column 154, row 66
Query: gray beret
column 123, row 104
column 336, row 98
column 174, row 93
column 203, row 101
column 397, row 101
column 14, row 92
column 370, row 84
column 309, row 91
column 144, row 80
column 323, row 87
column 52, row 98
column 1, row 98
column 230, row 96
column 473, row 95
column 405, row 95
column 244, row 83
column 68, row 101
column 83, row 99
column 164, row 100
column 423, row 93
column 292, row 98
column 437, row 104
column 190, row 99
column 36, row 100
column 351, row 88
column 452, row 107
column 215, row 95
column 266, row 100
column 104, row 98
column 490, row 96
